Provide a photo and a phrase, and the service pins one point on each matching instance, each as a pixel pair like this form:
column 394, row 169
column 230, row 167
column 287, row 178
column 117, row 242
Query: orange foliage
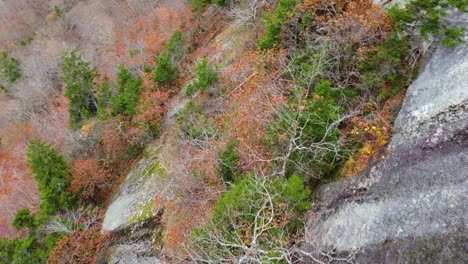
column 185, row 215
column 16, row 133
column 198, row 186
column 17, row 189
column 374, row 134
column 151, row 31
column 349, row 21
column 252, row 103
column 82, row 247
column 91, row 180
column 113, row 140
column 95, row 178
column 152, row 104
column 177, row 235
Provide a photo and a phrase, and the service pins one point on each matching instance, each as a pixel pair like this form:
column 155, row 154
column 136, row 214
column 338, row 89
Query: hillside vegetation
column 251, row 106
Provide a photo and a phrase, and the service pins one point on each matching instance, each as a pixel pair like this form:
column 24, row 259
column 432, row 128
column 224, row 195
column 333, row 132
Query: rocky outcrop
column 410, row 207
column 131, row 215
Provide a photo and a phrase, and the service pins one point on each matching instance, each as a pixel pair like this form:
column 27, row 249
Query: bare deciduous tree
column 247, row 13
column 72, row 220
column 241, row 248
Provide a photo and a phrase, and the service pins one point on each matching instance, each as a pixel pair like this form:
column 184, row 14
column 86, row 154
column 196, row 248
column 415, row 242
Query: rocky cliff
column 410, row 206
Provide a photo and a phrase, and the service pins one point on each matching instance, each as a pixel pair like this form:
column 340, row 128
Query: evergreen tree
column 174, row 45
column 128, row 93
column 166, row 68
column 206, row 76
column 165, row 72
column 199, row 5
column 7, row 249
column 52, row 175
column 78, row 77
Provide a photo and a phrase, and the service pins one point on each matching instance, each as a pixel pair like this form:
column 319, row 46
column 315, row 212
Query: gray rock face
column 131, row 214
column 411, row 206
column 135, row 253
column 133, row 202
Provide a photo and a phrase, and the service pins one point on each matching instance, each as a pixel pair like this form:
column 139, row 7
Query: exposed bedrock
column 411, row 206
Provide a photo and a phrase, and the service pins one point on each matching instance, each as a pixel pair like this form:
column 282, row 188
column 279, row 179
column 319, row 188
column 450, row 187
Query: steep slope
column 411, row 205
column 206, row 143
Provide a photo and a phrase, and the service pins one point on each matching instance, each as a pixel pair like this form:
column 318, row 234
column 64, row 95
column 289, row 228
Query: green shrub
column 244, row 197
column 228, row 162
column 58, row 12
column 274, row 23
column 306, row 65
column 51, row 173
column 9, row 69
column 311, row 123
column 27, row 41
column 134, row 52
column 199, row 5
column 220, row 2
column 384, row 71
column 246, row 209
column 190, row 89
column 24, row 219
column 205, row 75
column 166, row 70
column 272, row 33
column 385, row 65
column 453, row 36
column 147, row 68
column 193, row 122
column 393, row 50
column 428, row 13
column 28, row 250
column 175, row 45
column 7, row 249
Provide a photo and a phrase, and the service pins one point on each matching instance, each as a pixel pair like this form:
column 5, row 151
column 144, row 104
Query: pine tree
column 128, row 93
column 52, row 175
column 165, row 72
column 78, row 77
